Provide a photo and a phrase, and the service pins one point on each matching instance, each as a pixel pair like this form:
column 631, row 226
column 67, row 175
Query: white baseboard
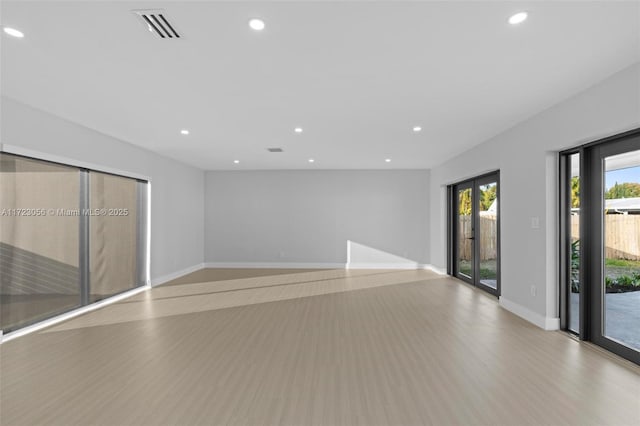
column 439, row 271
column 275, row 265
column 323, row 265
column 377, row 265
column 172, row 276
column 552, row 323
column 408, row 265
column 546, row 323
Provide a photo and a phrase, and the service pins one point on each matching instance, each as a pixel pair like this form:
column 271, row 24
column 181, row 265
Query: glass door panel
column 39, row 244
column 621, row 249
column 475, row 234
column 465, row 232
column 488, row 236
column 113, row 233
column 574, row 243
column 600, row 243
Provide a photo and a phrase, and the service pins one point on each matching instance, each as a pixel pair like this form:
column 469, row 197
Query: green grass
column 623, row 263
column 488, row 274
column 619, row 273
column 487, row 269
column 615, row 268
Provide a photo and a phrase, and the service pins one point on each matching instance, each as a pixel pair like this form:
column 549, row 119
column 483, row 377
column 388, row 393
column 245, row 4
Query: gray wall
column 308, row 216
column 527, row 159
column 177, row 190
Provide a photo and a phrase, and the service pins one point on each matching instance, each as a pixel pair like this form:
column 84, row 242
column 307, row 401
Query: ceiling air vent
column 156, row 22
column 275, row 150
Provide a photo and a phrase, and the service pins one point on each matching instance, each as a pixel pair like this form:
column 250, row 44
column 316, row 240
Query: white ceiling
column 357, row 76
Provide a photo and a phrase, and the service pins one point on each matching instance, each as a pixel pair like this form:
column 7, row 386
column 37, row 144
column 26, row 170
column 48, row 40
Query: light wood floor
column 328, row 347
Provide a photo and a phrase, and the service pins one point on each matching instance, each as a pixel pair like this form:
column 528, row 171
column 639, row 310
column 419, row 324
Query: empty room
column 319, row 213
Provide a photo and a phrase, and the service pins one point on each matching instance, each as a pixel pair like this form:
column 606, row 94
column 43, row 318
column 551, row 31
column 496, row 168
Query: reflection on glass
column 39, row 240
column 488, row 208
column 112, row 235
column 42, row 252
column 465, row 233
column 574, row 255
column 621, row 222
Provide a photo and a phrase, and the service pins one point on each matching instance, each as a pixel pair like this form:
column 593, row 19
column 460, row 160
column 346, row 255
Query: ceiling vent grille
column 157, row 23
column 275, row 150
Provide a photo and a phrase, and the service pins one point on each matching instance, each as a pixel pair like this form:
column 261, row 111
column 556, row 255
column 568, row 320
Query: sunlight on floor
column 165, row 301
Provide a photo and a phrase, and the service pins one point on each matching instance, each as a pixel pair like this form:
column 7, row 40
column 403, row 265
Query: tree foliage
column 464, row 202
column 486, row 198
column 575, row 192
column 623, row 190
column 619, row 190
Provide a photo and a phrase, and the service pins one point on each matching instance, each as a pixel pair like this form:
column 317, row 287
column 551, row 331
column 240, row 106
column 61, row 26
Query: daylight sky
column 630, row 174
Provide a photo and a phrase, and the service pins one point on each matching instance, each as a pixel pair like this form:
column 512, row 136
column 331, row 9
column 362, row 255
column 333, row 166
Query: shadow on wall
column 361, row 256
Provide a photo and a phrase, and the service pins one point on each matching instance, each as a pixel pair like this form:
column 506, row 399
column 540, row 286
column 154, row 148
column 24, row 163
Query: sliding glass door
column 601, row 244
column 474, row 234
column 39, row 249
column 620, row 287
column 113, row 238
column 68, row 237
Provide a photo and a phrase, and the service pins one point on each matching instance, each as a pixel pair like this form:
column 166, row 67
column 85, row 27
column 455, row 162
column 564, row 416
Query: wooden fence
column 488, row 240
column 622, row 235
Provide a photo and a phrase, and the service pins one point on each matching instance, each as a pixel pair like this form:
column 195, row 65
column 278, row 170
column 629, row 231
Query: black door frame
column 452, row 229
column 591, row 312
column 469, row 184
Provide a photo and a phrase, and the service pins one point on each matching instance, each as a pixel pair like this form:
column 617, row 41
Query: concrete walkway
column 622, row 317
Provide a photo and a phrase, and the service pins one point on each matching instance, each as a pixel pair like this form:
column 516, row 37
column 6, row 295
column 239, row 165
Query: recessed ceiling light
column 236, row 161
column 388, row 160
column 184, row 131
column 518, row 18
column 256, row 24
column 311, row 160
column 298, row 130
column 13, row 32
column 417, row 129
